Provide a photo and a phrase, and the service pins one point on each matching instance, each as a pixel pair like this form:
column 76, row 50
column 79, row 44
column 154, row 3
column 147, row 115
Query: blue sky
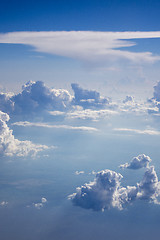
column 79, row 119
column 94, row 15
column 20, row 63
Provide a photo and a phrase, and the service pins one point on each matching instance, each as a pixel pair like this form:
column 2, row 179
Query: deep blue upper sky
column 103, row 15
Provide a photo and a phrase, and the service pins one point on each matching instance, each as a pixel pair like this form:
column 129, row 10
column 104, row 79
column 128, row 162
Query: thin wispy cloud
column 138, row 131
column 84, row 45
column 46, row 125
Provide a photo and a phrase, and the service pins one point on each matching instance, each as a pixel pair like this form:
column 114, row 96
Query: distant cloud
column 128, row 99
column 3, row 203
column 40, row 204
column 46, row 125
column 138, row 131
column 106, row 192
column 79, row 172
column 138, row 162
column 10, row 146
column 88, row 98
column 85, row 45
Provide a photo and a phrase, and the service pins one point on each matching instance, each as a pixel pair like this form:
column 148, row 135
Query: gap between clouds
column 84, row 45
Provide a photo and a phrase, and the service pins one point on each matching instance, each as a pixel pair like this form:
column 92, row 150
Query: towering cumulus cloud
column 10, row 146
column 106, row 191
column 88, row 98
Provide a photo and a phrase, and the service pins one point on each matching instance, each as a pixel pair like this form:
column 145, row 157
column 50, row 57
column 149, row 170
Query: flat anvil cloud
column 84, row 45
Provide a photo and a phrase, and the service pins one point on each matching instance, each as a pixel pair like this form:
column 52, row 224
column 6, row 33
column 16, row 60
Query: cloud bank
column 106, row 192
column 84, row 45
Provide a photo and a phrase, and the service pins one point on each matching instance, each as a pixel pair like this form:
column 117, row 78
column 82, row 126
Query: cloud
column 84, row 45
column 11, row 146
column 91, row 114
column 155, row 100
column 79, row 172
column 149, row 187
column 3, row 203
column 88, row 98
column 128, row 99
column 40, row 204
column 138, row 162
column 46, row 125
column 138, row 131
column 106, row 192
column 34, row 98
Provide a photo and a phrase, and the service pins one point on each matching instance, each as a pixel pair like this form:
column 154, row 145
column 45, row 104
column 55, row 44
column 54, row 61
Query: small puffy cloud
column 88, row 98
column 128, row 99
column 79, row 172
column 3, row 203
column 10, row 146
column 40, row 204
column 138, row 162
column 104, row 192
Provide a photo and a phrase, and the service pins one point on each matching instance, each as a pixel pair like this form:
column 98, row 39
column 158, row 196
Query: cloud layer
column 84, row 45
column 106, row 192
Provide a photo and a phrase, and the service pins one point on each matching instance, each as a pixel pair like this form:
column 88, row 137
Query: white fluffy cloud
column 84, row 45
column 10, row 146
column 138, row 162
column 106, row 191
column 34, row 98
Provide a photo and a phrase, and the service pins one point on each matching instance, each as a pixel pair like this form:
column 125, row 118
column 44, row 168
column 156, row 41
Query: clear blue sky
column 109, row 15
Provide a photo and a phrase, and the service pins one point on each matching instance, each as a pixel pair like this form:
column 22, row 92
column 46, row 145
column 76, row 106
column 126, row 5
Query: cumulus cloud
column 34, row 98
column 106, row 192
column 40, row 204
column 155, row 100
column 138, row 162
column 84, row 45
column 46, row 125
column 88, row 98
column 149, row 187
column 10, row 146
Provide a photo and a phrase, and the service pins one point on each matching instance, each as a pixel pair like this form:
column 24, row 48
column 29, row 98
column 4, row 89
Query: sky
column 79, row 120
